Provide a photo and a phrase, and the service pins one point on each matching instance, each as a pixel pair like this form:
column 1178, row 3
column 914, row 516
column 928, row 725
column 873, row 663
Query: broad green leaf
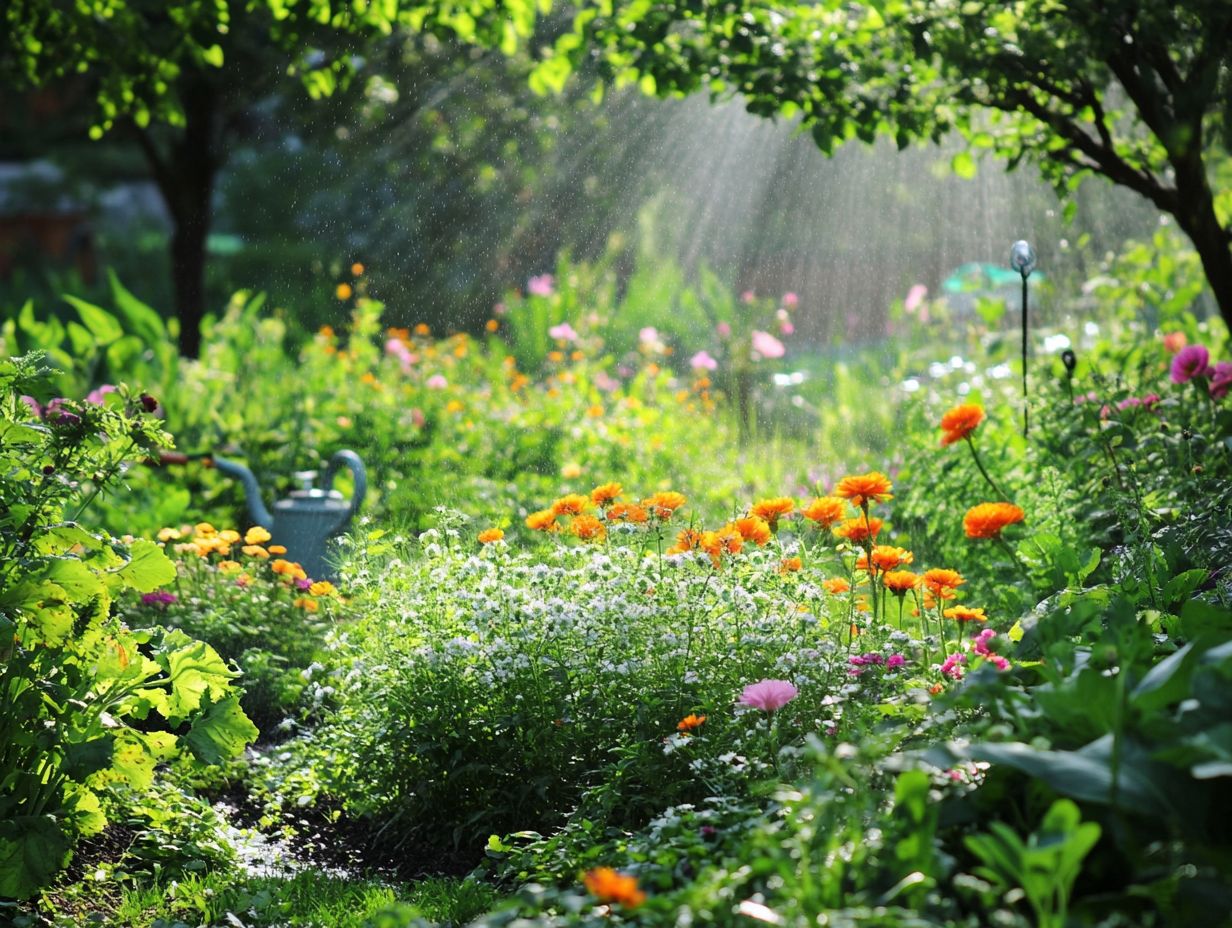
column 148, row 567
column 221, row 733
column 196, row 672
column 102, row 325
column 32, row 850
column 88, row 757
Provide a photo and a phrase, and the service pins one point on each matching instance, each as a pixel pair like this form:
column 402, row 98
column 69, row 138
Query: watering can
column 306, row 520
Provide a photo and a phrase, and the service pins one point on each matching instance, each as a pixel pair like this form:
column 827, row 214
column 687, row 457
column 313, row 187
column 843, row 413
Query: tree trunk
column 1196, row 216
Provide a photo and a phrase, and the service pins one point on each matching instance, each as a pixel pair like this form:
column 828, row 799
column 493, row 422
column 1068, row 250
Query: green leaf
column 196, row 672
column 102, row 325
column 221, row 732
column 87, row 757
column 1181, row 587
column 148, row 567
column 142, row 321
column 963, row 165
column 212, row 55
column 32, row 850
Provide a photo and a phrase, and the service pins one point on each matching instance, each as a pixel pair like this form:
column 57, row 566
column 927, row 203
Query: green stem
column 975, row 455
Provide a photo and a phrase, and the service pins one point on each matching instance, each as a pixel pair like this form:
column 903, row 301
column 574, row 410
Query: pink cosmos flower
column 563, row 332
column 768, row 695
column 1190, row 362
column 648, row 336
column 791, row 299
column 703, row 362
column 499, row 309
column 915, row 296
column 1221, row 380
column 437, row 382
column 95, row 396
column 767, row 345
column 542, row 285
column 724, row 329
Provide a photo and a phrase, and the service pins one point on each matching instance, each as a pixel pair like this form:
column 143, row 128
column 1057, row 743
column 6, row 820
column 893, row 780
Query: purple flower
column 767, row 345
column 1221, row 380
column 95, row 397
column 1190, row 362
column 303, row 583
column 160, row 598
column 703, row 362
column 148, row 403
column 542, row 285
column 33, row 406
column 563, row 332
column 768, row 695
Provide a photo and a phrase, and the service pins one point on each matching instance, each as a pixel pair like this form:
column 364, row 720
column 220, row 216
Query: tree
column 182, row 77
column 1135, row 91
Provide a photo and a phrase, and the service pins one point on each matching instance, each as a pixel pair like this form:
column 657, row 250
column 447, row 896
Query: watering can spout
column 252, row 491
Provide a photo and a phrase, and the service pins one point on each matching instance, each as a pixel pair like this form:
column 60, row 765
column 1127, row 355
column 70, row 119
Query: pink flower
column 396, row 348
column 541, row 285
column 724, row 330
column 648, row 336
column 1221, row 380
column 786, row 327
column 748, row 296
column 418, row 418
column 33, row 405
column 437, row 382
column 767, row 345
column 1190, row 362
column 768, row 695
column 791, row 299
column 563, row 332
column 606, row 382
column 915, row 296
column 1175, row 341
column 95, row 396
column 952, row 666
column 703, row 362
column 499, row 309
column 894, row 661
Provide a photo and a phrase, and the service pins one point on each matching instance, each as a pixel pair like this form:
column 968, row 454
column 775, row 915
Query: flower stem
column 975, row 456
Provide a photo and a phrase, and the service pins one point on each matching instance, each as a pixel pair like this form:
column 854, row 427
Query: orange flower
column 542, row 521
column 888, row 557
column 608, row 885
column 773, row 509
column 357, row 268
column 228, row 566
column 343, row 291
column 255, row 551
column 825, row 510
column 753, row 529
column 899, row 582
column 572, row 504
column 965, row 614
column 960, row 422
column 277, row 549
column 491, row 325
column 664, row 504
column 307, row 603
column 689, row 539
column 690, row 722
column 862, row 489
column 229, row 536
column 605, row 494
column 789, row 565
column 939, row 581
column 858, row 530
column 726, row 540
column 627, row 512
column 588, row 528
column 989, row 520
column 422, row 329
column 836, row 586
column 489, row 535
column 204, row 529
column 289, row 569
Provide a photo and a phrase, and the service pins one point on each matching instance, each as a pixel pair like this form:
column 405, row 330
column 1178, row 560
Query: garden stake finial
column 1022, row 260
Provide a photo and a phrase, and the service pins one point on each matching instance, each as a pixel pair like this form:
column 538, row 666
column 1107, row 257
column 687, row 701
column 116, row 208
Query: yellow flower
column 230, row 536
column 965, row 614
column 343, row 291
column 256, row 535
column 228, row 566
column 277, row 549
column 662, row 505
column 169, row 534
column 204, row 529
column 307, row 603
column 255, row 551
column 571, row 470
column 322, row 588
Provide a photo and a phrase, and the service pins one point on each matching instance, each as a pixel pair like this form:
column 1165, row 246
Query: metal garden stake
column 1022, row 260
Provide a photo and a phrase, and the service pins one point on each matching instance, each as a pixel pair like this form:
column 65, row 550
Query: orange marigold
column 608, row 885
column 489, row 535
column 571, row 504
column 588, row 528
column 825, row 510
column 288, row 569
column 627, row 512
column 862, row 489
column 940, row 580
column 605, row 494
column 899, row 582
column 836, row 586
column 664, row 504
column 773, row 509
column 277, row 549
column 726, row 540
column 965, row 614
column 753, row 529
column 690, row 722
column 960, row 422
column 689, row 539
column 989, row 520
column 789, row 565
column 542, row 521
column 307, row 603
column 888, row 557
column 858, row 530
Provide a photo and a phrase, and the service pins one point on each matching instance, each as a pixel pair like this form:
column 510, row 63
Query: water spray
column 1022, row 260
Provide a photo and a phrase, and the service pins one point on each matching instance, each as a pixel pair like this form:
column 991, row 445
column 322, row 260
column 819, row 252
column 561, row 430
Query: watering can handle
column 359, row 476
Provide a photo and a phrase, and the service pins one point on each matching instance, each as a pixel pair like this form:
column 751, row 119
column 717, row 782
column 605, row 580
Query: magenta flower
column 767, row 345
column 894, row 661
column 1221, row 380
column 768, row 695
column 542, row 285
column 436, row 382
column 563, row 332
column 160, row 598
column 703, row 362
column 95, row 397
column 33, row 405
column 952, row 666
column 1190, row 362
column 791, row 299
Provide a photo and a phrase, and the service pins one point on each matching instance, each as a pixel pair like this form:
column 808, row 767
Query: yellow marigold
column 858, row 529
column 230, row 536
column 888, row 557
column 307, row 603
column 862, row 489
column 256, row 535
column 965, row 614
column 343, row 291
column 542, row 521
column 169, row 534
column 662, row 505
column 605, row 494
column 596, row 411
column 960, row 422
column 255, row 551
column 899, row 582
column 571, row 504
column 611, row 886
column 941, row 580
column 588, row 528
column 690, row 722
column 489, row 535
column 277, row 549
column 989, row 520
column 570, row 470
column 825, row 510
column 628, row 512
column 228, row 566
column 204, row 529
column 789, row 565
column 836, row 586
column 753, row 529
column 773, row 509
column 288, row 569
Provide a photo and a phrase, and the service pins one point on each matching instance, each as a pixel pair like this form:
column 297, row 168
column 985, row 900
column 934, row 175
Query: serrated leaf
column 148, row 568
column 221, row 732
column 196, row 672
